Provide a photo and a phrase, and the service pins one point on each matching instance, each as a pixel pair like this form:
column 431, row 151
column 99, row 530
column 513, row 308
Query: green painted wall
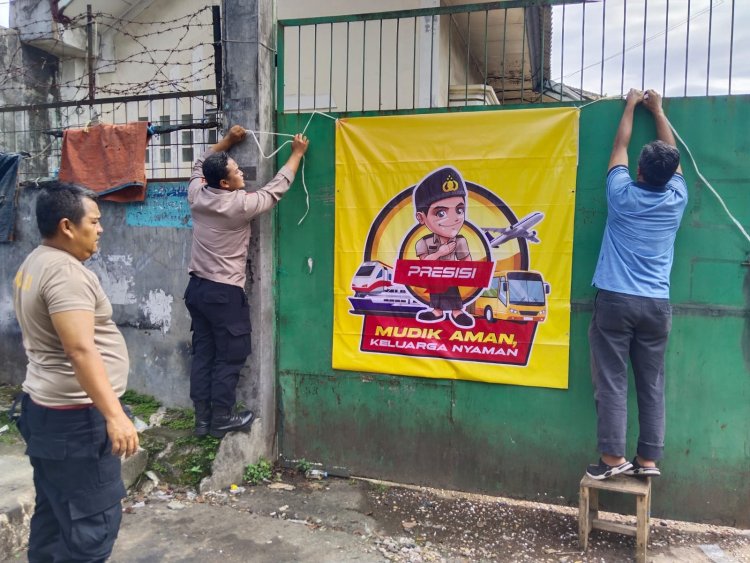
column 530, row 442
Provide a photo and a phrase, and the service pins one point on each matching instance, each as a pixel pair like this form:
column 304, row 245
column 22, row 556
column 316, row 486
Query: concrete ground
column 16, row 497
column 296, row 519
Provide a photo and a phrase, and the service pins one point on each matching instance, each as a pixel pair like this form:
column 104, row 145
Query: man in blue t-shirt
column 632, row 315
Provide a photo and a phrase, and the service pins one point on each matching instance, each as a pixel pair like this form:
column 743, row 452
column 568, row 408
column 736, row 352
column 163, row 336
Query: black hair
column 658, row 162
column 58, row 201
column 215, row 168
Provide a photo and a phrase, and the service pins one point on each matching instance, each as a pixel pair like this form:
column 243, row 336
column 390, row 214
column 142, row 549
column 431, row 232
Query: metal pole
column 666, row 50
column 708, row 64
column 601, row 76
column 468, row 55
column 731, row 49
column 583, row 48
column 523, row 54
column 624, row 24
column 218, row 68
column 562, row 54
column 90, row 51
column 687, row 50
column 643, row 56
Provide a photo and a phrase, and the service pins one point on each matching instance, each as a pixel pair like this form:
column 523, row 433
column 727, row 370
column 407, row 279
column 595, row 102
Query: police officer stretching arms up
column 215, row 296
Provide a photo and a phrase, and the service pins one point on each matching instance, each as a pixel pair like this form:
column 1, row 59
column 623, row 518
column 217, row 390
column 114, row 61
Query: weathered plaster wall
column 142, row 264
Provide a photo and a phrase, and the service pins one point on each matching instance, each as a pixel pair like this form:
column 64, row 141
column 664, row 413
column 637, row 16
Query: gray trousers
column 625, row 326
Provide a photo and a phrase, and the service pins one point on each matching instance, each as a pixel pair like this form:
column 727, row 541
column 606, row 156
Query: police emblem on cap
column 439, row 184
column 450, row 185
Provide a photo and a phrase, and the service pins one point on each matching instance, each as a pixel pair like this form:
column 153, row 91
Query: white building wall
column 404, row 64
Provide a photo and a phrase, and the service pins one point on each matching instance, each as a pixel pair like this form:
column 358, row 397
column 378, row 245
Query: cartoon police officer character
column 440, row 203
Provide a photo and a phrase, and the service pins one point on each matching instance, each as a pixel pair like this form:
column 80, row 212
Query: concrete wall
column 324, row 64
column 142, row 265
column 145, row 247
column 145, row 251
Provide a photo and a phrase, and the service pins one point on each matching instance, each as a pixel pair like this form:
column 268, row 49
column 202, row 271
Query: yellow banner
column 453, row 245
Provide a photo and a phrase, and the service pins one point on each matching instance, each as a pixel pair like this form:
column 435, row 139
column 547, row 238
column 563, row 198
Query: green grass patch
column 143, row 406
column 179, row 419
column 11, row 435
column 7, row 393
column 256, row 473
column 380, row 488
column 199, row 455
column 179, row 459
column 303, row 465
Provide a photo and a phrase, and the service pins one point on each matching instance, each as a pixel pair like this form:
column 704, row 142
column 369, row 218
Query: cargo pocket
column 93, row 501
column 238, row 345
column 95, row 516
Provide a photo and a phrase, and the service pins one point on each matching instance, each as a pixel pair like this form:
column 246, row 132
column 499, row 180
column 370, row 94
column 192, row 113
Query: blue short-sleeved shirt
column 638, row 245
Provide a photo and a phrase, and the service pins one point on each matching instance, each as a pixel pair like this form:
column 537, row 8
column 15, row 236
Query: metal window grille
column 37, row 130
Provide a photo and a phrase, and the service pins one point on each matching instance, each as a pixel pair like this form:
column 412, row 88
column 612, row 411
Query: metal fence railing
column 680, row 47
column 510, row 52
column 184, row 124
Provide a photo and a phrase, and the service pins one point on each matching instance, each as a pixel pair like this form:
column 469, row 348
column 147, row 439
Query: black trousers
column 221, row 339
column 78, row 484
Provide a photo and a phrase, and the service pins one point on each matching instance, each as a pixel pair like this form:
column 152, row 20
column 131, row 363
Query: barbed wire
column 171, row 55
column 81, row 20
column 151, row 61
column 159, row 23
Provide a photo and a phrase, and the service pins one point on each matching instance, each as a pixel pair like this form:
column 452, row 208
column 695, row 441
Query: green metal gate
column 527, row 442
column 532, row 442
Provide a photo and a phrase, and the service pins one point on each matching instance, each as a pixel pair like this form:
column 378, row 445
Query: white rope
column 695, row 165
column 599, row 100
column 313, row 114
column 264, row 155
column 710, row 187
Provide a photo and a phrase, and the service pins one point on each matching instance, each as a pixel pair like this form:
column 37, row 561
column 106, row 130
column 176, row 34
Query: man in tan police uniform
column 215, row 296
column 74, row 426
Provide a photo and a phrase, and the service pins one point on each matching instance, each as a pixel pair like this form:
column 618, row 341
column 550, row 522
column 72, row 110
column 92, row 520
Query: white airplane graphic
column 520, row 229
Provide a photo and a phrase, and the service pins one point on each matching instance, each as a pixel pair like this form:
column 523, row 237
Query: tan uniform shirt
column 431, row 243
column 52, row 281
column 221, row 224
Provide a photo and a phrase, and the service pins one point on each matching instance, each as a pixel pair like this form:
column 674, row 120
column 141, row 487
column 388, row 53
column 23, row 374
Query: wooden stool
column 588, row 514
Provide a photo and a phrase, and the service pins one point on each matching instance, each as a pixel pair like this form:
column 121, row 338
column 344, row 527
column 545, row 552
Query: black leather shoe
column 202, row 418
column 224, row 420
column 462, row 320
column 428, row 316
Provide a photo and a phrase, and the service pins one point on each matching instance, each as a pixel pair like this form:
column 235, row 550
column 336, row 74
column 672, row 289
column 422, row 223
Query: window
column 165, row 140
column 148, row 152
column 186, row 138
